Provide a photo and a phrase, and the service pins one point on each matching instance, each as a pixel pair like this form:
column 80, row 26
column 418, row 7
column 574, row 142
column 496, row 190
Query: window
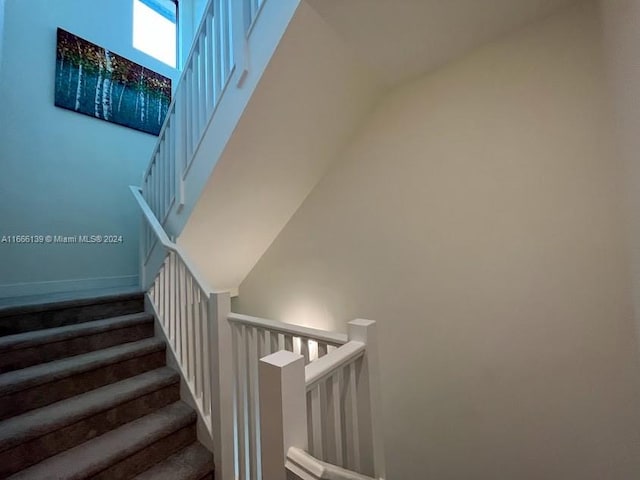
column 154, row 29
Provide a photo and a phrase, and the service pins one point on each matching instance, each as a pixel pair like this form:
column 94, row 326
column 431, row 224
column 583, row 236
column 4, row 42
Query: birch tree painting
column 97, row 82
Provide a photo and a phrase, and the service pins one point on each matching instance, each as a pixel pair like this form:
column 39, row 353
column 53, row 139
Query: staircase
column 85, row 393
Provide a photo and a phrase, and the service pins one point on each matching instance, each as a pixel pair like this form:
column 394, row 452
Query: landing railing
column 322, row 417
column 252, row 339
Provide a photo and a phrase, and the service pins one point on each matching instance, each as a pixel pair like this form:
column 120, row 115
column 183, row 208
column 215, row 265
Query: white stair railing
column 328, row 409
column 205, row 76
column 252, row 339
column 193, row 318
column 227, row 361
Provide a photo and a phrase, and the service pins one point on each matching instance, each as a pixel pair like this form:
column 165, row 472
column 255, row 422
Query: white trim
column 60, row 286
column 331, row 338
column 309, row 468
column 318, row 370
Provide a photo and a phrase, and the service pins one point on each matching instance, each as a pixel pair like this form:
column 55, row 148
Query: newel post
column 221, row 384
column 283, row 410
column 368, row 398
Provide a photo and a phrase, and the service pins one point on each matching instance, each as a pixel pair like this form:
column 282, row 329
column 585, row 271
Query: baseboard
column 60, row 286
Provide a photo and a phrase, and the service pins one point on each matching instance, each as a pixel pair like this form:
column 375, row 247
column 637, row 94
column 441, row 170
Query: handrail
column 301, row 463
column 164, row 240
column 324, row 367
column 151, row 219
column 331, row 338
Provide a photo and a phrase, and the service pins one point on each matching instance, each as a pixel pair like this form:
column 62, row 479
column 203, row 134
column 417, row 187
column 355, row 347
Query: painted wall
column 622, row 37
column 478, row 216
column 64, row 173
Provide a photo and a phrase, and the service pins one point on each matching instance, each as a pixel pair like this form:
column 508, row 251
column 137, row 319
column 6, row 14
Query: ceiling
column 400, row 39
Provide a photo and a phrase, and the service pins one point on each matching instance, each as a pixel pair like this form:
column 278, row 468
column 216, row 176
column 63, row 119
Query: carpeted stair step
column 27, row 318
column 124, row 452
column 47, row 383
column 39, row 434
column 192, row 463
column 32, row 348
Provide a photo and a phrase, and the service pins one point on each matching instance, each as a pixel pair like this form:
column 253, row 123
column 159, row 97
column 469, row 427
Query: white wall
column 478, row 216
column 62, row 172
column 622, row 37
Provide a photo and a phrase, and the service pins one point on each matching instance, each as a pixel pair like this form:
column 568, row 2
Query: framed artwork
column 97, row 82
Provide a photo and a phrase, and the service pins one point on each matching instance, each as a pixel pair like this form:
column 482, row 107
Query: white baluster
column 352, row 436
column 195, row 101
column 188, row 107
column 211, row 101
column 252, row 397
column 179, row 164
column 237, row 398
column 187, row 327
column 162, row 288
column 202, row 96
column 167, row 151
column 334, row 421
column 288, row 343
column 263, row 345
column 317, row 408
column 243, row 439
column 225, row 34
column 185, row 313
column 161, row 179
column 217, row 51
column 197, row 332
column 309, row 402
column 172, row 155
column 180, row 302
column 304, row 349
column 156, row 184
column 274, row 342
column 174, row 298
column 166, row 180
